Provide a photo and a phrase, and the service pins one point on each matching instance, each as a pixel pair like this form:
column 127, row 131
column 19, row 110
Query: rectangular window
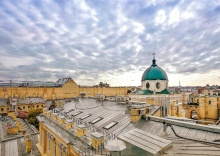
column 2, row 109
column 96, row 120
column 23, row 107
column 110, row 125
column 84, row 117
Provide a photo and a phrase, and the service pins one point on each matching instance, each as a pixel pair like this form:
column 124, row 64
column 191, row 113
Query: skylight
column 110, row 125
column 96, row 120
column 76, row 114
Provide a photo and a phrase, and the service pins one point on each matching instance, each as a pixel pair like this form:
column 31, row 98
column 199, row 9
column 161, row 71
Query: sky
column 110, row 41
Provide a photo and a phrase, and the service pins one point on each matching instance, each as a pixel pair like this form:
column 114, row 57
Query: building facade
column 64, row 88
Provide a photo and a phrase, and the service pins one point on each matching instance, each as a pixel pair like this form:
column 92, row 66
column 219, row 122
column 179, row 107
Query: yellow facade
column 51, row 144
column 28, row 143
column 176, row 110
column 68, row 90
column 80, row 131
column 97, row 140
column 69, row 125
column 12, row 130
column 206, row 107
column 4, row 109
column 12, row 115
column 19, row 125
column 136, row 113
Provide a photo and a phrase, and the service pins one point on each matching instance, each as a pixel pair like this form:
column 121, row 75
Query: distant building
column 64, row 88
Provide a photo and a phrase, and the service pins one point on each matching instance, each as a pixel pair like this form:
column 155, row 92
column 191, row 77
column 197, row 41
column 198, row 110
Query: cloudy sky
column 110, row 40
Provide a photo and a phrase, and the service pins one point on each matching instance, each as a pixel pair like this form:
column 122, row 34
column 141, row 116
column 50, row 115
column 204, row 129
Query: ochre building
column 62, row 89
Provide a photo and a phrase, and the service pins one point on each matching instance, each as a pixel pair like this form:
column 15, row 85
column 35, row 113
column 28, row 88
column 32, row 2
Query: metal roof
column 10, row 83
column 114, row 112
column 146, row 141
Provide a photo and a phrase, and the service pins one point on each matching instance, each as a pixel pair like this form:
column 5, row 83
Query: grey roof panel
column 146, row 141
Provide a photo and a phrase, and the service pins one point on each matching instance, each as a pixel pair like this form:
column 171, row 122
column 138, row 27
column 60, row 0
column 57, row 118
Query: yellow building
column 64, row 88
column 20, row 105
column 5, row 107
column 203, row 107
column 61, row 89
column 30, row 103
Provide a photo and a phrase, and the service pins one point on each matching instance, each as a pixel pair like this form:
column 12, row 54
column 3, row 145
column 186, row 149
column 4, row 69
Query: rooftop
column 14, row 144
column 109, row 119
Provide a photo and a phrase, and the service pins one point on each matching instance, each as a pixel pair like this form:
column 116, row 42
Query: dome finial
column 154, row 61
column 154, row 55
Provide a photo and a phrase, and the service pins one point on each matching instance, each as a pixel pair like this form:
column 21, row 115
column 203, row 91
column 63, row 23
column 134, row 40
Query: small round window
column 147, row 85
column 158, row 85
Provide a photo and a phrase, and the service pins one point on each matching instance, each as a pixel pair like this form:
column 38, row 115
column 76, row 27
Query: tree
column 31, row 118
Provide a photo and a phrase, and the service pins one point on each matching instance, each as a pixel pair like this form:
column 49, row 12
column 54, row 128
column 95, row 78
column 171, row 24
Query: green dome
column 154, row 73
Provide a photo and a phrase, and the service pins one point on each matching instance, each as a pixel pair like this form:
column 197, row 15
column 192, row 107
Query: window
column 141, row 112
column 96, row 120
column 158, row 85
column 19, row 108
column 147, row 85
column 110, row 125
column 23, row 107
column 42, row 105
column 2, row 109
column 210, row 102
column 8, row 108
column 28, row 106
